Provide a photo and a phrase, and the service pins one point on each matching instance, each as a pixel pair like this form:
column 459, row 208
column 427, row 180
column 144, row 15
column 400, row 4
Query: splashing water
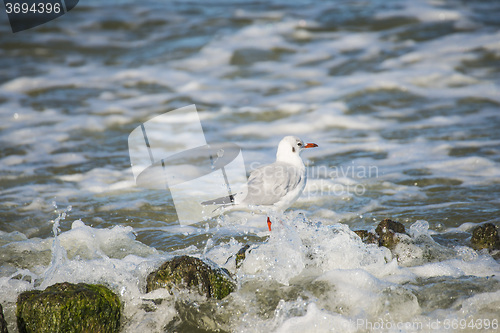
column 59, row 254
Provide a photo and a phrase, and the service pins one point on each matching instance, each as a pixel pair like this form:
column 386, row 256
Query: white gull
column 276, row 186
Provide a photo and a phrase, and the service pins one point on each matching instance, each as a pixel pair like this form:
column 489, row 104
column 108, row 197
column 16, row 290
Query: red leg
column 269, row 223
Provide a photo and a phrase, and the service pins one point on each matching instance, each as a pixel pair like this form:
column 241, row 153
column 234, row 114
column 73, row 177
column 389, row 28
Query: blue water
column 402, row 97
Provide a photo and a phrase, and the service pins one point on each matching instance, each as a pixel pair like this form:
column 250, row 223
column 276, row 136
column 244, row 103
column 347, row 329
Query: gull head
column 290, row 147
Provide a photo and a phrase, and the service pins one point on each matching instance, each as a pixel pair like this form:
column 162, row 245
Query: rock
column 385, row 234
column 387, row 231
column 388, row 224
column 367, row 237
column 192, row 273
column 241, row 255
column 3, row 323
column 485, row 237
column 200, row 317
column 66, row 307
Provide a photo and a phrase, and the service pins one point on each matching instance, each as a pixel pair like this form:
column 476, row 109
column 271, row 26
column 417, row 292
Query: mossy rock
column 387, row 231
column 386, row 234
column 367, row 237
column 241, row 255
column 388, row 224
column 485, row 237
column 192, row 273
column 3, row 323
column 66, row 308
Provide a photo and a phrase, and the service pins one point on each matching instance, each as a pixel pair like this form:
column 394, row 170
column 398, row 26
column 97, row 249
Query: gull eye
column 299, row 144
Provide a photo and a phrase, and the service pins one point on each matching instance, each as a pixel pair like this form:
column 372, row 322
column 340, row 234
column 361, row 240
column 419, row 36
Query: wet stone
column 485, row 237
column 185, row 272
column 387, row 231
column 386, row 234
column 241, row 255
column 66, row 307
column 3, row 323
column 388, row 224
column 367, row 237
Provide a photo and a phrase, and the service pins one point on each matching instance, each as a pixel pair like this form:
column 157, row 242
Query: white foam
column 316, row 320
column 101, row 180
column 471, row 170
column 276, row 260
column 424, row 11
column 482, row 266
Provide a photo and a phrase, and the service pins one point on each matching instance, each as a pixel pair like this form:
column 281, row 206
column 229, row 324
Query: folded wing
column 268, row 184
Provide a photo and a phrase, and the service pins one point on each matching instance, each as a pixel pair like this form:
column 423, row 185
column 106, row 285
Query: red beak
column 310, row 145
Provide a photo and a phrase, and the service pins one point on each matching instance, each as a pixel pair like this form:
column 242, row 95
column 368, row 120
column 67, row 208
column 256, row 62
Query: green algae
column 69, row 308
column 192, row 273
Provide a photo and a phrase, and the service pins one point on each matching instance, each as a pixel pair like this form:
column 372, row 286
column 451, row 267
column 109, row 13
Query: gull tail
column 227, row 200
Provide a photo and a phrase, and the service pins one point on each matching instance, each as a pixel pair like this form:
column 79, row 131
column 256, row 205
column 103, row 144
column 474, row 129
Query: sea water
column 402, row 97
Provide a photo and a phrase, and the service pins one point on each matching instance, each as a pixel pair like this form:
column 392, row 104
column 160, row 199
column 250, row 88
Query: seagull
column 276, row 186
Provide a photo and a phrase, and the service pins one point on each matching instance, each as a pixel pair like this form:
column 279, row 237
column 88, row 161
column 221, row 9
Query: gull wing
column 268, row 184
